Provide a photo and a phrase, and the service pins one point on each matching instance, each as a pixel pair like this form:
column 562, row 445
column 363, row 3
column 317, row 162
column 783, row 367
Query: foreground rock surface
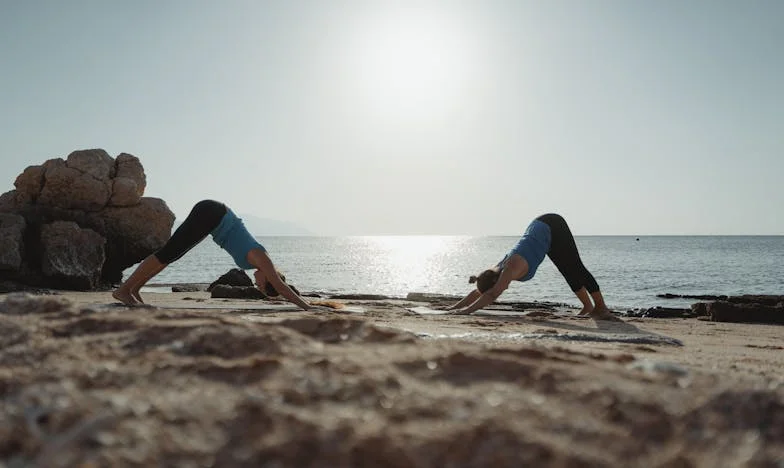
column 88, row 383
column 78, row 222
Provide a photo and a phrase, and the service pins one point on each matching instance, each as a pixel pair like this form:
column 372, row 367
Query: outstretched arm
column 487, row 298
column 515, row 268
column 265, row 271
column 471, row 297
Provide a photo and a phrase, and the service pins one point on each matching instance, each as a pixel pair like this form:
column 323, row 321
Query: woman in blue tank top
column 546, row 235
column 228, row 231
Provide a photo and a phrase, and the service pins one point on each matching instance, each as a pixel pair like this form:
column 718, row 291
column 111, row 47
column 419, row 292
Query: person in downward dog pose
column 228, row 231
column 546, row 235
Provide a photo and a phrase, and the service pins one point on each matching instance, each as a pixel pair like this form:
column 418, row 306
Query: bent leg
column 565, row 256
column 128, row 292
column 203, row 218
column 585, row 299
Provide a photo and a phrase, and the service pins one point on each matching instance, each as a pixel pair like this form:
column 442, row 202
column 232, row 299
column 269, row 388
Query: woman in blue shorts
column 546, row 235
column 228, row 231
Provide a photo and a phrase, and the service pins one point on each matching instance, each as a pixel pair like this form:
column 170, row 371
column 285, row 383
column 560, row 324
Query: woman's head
column 485, row 280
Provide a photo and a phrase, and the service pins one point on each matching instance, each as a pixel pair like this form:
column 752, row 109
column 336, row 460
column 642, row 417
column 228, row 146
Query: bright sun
column 412, row 61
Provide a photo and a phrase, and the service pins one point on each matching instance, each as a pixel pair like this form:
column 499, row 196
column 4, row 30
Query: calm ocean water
column 630, row 272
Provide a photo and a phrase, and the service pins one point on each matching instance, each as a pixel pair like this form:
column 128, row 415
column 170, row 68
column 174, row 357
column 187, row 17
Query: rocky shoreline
column 745, row 308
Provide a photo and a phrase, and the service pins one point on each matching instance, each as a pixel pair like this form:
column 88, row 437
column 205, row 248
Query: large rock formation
column 11, row 241
column 77, row 223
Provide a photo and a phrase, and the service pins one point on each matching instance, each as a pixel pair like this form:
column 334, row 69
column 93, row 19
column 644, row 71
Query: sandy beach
column 195, row 381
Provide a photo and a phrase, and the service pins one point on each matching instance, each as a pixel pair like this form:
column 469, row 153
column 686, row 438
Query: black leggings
column 563, row 253
column 203, row 218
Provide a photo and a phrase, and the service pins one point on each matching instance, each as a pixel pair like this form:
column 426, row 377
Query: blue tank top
column 232, row 237
column 533, row 246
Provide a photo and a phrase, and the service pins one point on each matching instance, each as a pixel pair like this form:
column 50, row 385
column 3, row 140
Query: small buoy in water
column 638, row 239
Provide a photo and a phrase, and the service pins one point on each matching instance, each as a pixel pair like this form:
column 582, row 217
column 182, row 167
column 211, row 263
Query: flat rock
column 724, row 311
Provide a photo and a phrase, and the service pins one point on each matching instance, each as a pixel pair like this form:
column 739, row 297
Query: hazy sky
column 446, row 117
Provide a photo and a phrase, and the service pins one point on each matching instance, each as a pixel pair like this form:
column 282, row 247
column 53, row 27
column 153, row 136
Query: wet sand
column 195, row 381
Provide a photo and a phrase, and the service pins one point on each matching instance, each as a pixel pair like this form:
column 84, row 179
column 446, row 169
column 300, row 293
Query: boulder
column 12, row 229
column 233, row 277
column 96, row 192
column 8, row 202
column 12, row 201
column 73, row 257
column 132, row 233
column 125, row 192
column 129, row 167
column 236, row 292
column 70, row 188
column 94, row 162
column 30, row 182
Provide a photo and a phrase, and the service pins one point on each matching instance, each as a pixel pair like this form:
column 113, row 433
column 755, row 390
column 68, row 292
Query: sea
column 632, row 271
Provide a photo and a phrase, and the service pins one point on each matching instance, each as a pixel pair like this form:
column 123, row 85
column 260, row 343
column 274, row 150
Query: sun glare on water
column 413, row 261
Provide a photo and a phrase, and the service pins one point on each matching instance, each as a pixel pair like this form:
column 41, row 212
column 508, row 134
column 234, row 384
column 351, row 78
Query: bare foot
column 586, row 310
column 136, row 295
column 124, row 297
column 604, row 314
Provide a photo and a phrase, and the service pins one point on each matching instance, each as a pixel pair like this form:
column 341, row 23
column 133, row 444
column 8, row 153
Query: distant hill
column 272, row 227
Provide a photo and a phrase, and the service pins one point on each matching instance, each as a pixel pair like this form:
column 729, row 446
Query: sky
column 415, row 117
